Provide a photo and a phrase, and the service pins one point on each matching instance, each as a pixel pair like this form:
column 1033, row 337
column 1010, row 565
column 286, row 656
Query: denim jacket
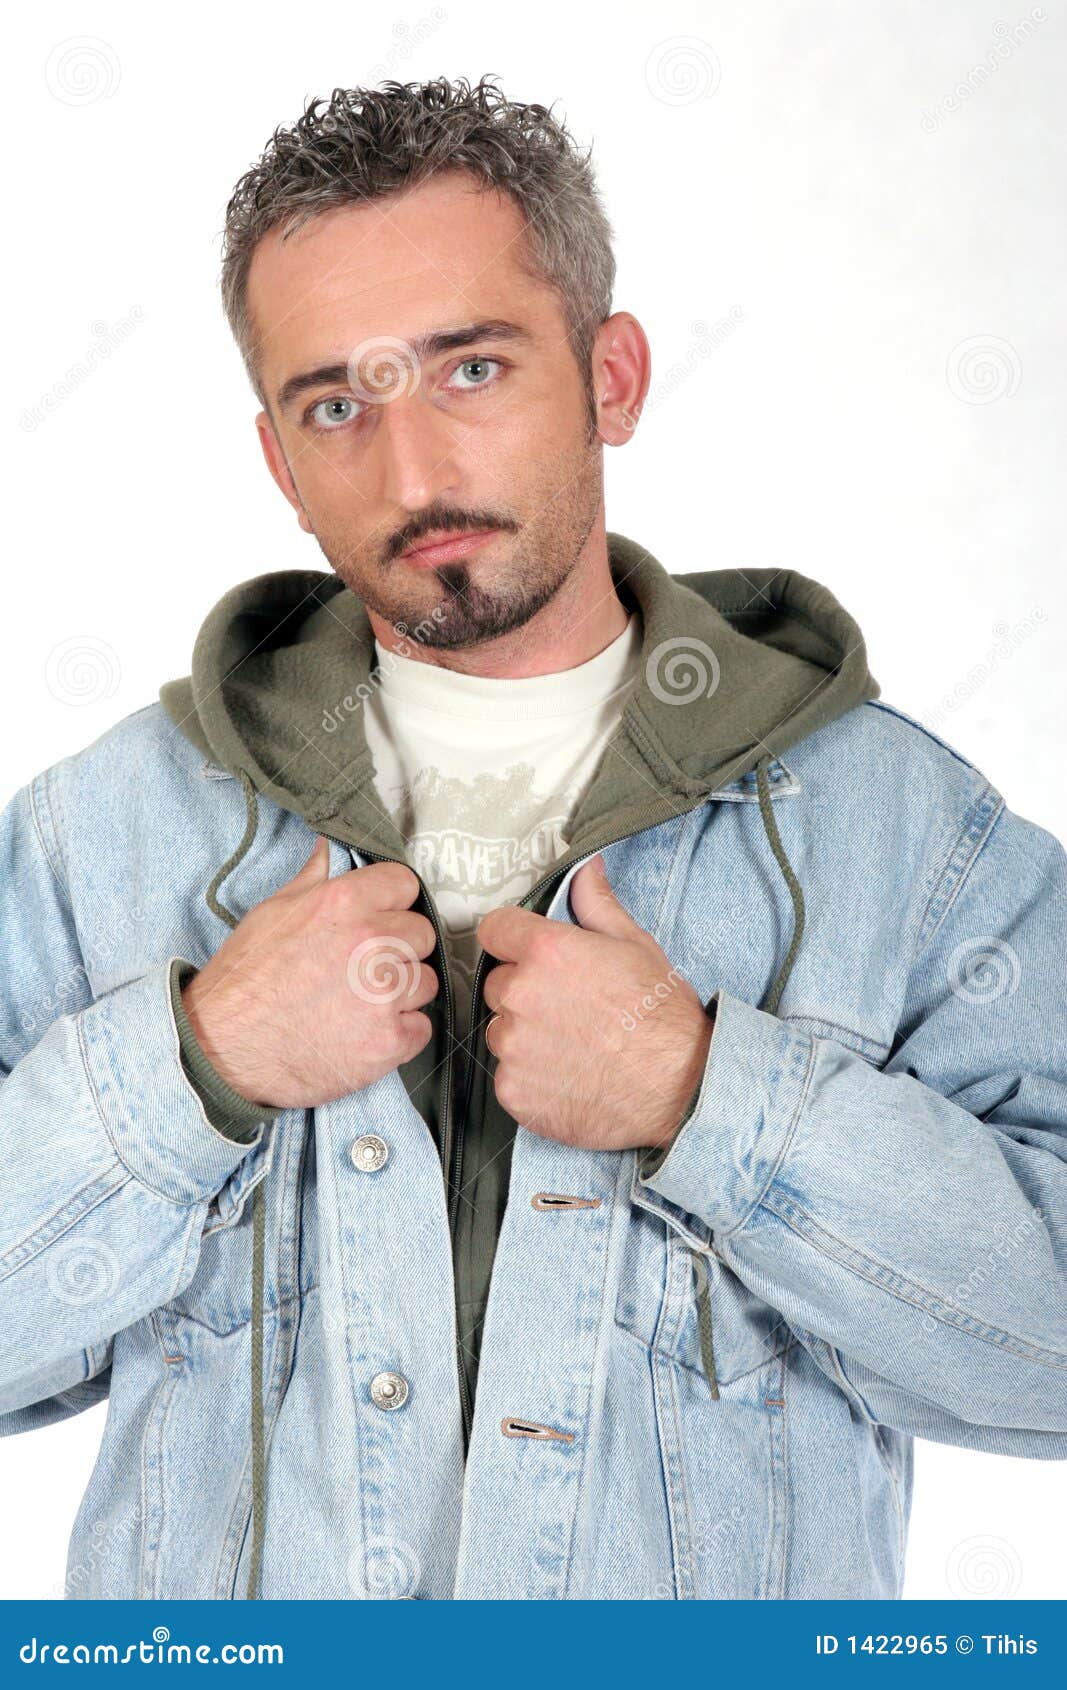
column 872, row 1184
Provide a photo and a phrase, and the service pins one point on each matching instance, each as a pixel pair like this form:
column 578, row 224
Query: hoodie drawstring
column 700, row 1270
column 770, row 1004
column 258, row 1220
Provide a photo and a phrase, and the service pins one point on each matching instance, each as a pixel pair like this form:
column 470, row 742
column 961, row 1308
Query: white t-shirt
column 482, row 774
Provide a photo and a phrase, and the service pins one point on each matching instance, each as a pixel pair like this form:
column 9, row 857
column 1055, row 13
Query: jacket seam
column 906, row 1290
column 786, row 1145
column 145, row 1185
column 852, row 1394
column 977, row 828
column 40, row 803
column 618, row 1210
column 49, row 1231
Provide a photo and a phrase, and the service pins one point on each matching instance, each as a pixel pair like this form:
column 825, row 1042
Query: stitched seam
column 48, row 1231
column 906, row 1290
column 852, row 1394
column 618, row 1198
column 37, row 811
column 691, row 1367
column 787, row 1141
column 145, row 1185
column 977, row 829
column 268, row 1308
column 877, row 1047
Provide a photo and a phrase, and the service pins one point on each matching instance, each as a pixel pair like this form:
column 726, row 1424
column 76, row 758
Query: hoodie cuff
column 229, row 1112
column 721, row 1161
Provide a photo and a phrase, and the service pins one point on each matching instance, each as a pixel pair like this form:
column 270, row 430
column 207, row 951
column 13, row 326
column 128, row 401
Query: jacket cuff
column 732, row 1142
column 153, row 1116
column 228, row 1110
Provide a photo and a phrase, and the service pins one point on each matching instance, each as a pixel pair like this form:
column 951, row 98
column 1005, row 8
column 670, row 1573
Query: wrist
column 654, row 1154
column 197, row 1010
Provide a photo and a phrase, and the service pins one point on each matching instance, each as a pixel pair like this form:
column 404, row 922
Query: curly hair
column 366, row 143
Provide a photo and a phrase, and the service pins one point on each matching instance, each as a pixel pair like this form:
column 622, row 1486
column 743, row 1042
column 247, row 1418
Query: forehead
column 445, row 251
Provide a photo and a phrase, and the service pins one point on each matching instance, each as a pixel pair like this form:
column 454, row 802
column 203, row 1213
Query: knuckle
column 414, row 1031
column 426, row 941
column 400, row 881
column 543, row 944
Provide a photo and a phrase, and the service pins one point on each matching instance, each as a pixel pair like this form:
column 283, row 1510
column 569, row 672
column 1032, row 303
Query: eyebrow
column 423, row 346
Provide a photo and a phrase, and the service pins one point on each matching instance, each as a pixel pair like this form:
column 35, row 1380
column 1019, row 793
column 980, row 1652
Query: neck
column 577, row 623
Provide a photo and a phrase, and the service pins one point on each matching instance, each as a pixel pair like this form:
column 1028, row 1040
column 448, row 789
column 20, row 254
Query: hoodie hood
column 736, row 665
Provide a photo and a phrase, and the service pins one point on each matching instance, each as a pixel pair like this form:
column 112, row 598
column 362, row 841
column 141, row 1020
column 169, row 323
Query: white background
column 874, row 222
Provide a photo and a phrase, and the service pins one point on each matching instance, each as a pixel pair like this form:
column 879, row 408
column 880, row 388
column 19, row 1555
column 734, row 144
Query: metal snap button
column 389, row 1390
column 369, row 1153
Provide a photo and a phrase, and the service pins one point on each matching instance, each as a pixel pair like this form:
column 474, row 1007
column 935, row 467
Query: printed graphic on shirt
column 480, row 843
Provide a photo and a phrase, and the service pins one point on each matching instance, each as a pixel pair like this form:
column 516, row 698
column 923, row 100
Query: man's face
column 491, row 432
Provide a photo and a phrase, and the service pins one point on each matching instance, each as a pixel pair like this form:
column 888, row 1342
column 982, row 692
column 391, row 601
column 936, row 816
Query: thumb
column 594, row 902
column 316, row 868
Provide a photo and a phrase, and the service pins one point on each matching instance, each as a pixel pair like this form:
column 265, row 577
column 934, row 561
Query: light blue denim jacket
column 875, row 1179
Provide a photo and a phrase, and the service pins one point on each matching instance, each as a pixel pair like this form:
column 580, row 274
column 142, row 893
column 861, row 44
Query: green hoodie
column 279, row 650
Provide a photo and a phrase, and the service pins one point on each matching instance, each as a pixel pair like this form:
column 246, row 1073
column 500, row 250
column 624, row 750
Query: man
column 585, row 1167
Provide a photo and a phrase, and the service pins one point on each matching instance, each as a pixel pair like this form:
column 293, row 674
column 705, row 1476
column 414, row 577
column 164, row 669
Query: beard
column 472, row 601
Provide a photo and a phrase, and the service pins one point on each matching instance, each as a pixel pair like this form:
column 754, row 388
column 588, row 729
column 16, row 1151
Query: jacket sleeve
column 108, row 1162
column 910, row 1221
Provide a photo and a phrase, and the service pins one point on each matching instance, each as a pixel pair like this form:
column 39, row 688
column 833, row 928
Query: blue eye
column 336, row 413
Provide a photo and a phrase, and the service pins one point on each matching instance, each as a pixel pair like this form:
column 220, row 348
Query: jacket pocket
column 657, row 1305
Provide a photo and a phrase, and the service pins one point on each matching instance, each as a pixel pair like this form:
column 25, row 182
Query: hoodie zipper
column 448, row 1148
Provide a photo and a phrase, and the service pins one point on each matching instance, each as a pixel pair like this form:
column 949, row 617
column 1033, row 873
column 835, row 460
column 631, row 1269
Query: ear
column 279, row 468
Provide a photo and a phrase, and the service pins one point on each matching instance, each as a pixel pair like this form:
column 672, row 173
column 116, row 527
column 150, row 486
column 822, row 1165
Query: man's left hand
column 600, row 1042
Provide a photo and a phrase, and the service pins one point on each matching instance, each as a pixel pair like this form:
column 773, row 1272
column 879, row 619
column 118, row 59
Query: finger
column 595, row 904
column 410, row 930
column 496, row 985
column 506, row 932
column 386, row 886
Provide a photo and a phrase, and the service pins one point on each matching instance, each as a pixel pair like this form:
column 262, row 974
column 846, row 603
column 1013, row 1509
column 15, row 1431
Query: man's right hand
column 319, row 990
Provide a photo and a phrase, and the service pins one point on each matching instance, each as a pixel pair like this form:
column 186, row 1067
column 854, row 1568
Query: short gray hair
column 367, row 143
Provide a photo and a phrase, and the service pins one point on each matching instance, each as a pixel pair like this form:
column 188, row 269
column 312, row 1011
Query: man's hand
column 601, row 1042
column 319, row 990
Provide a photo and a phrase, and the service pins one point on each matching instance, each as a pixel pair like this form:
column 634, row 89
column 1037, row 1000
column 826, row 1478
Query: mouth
column 429, row 552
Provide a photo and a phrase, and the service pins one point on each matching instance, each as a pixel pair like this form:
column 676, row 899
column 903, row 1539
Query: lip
column 426, row 556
